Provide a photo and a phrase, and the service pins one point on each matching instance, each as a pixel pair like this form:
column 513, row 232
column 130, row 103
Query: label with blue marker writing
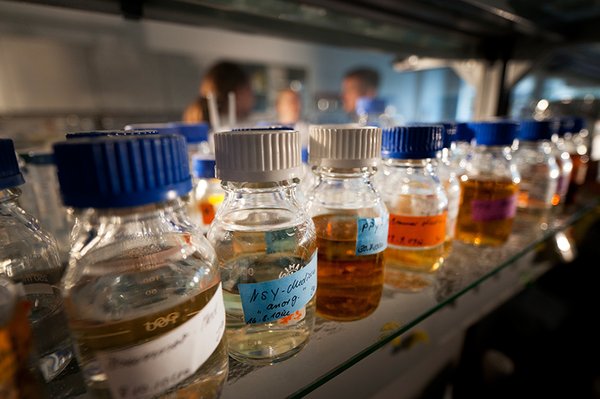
column 269, row 301
column 371, row 237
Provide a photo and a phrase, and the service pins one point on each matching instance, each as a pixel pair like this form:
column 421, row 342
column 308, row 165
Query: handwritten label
column 417, row 231
column 280, row 240
column 148, row 370
column 486, row 210
column 268, row 301
column 371, row 235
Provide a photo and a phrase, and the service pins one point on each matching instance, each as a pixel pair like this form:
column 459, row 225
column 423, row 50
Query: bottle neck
column 275, row 194
column 360, row 173
column 426, row 165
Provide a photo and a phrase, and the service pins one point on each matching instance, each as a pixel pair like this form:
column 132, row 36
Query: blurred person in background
column 221, row 79
column 288, row 106
column 358, row 82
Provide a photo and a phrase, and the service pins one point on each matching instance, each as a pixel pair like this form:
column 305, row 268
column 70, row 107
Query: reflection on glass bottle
column 565, row 166
column 417, row 202
column 489, row 186
column 142, row 291
column 265, row 244
column 350, row 219
column 29, row 256
column 575, row 142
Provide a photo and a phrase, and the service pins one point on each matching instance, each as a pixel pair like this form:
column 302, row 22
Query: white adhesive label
column 147, row 370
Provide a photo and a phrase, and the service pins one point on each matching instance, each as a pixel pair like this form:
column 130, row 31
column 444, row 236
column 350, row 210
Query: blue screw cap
column 122, row 171
column 10, row 174
column 412, row 142
column 494, row 133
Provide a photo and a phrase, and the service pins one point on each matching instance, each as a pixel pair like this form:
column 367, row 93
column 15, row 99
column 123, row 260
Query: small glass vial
column 29, row 256
column 449, row 173
column 350, row 218
column 207, row 193
column 489, row 186
column 565, row 166
column 417, row 203
column 372, row 112
column 142, row 290
column 265, row 245
column 537, row 167
column 459, row 151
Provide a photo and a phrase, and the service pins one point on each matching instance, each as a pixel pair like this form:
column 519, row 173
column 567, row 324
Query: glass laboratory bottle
column 537, row 167
column 489, row 186
column 265, row 244
column 417, row 202
column 575, row 143
column 29, row 256
column 565, row 166
column 142, row 290
column 449, row 173
column 350, row 218
column 207, row 193
column 19, row 377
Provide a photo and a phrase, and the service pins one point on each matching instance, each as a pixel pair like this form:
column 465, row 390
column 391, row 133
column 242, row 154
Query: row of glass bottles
column 266, row 244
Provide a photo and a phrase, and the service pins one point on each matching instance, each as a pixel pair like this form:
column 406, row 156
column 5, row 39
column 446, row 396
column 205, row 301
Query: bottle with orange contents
column 417, row 202
column 207, row 193
column 537, row 167
column 489, row 186
column 350, row 218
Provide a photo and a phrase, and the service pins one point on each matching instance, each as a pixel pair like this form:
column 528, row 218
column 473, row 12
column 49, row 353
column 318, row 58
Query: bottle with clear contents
column 575, row 143
column 537, row 168
column 417, row 203
column 350, row 218
column 29, row 256
column 449, row 173
column 565, row 166
column 460, row 148
column 265, row 244
column 142, row 290
column 207, row 193
column 489, row 187
column 372, row 112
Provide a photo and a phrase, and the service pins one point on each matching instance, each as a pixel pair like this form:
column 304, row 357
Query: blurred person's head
column 225, row 77
column 358, row 82
column 288, row 106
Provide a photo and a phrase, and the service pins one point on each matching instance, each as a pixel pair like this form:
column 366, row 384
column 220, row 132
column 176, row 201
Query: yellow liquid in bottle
column 486, row 227
column 349, row 286
column 92, row 336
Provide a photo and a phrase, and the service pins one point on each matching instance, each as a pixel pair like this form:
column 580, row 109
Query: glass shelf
column 337, row 346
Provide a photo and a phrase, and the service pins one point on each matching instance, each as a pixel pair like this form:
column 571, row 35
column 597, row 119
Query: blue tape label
column 371, row 237
column 268, row 301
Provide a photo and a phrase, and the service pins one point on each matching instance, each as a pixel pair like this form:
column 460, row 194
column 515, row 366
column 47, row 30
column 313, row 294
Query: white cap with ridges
column 258, row 155
column 344, row 146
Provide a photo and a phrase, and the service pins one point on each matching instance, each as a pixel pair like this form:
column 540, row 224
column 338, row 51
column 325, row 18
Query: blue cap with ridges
column 108, row 133
column 411, row 142
column 533, row 130
column 193, row 132
column 494, row 133
column 122, row 171
column 570, row 124
column 449, row 133
column 10, row 174
column 463, row 133
column 367, row 105
column 204, row 167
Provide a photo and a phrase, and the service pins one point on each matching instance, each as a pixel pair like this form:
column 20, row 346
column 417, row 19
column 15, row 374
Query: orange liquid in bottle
column 486, row 212
column 349, row 286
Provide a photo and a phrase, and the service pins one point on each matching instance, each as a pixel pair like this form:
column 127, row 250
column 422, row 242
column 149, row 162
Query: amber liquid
column 578, row 174
column 349, row 286
column 484, row 232
column 93, row 336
